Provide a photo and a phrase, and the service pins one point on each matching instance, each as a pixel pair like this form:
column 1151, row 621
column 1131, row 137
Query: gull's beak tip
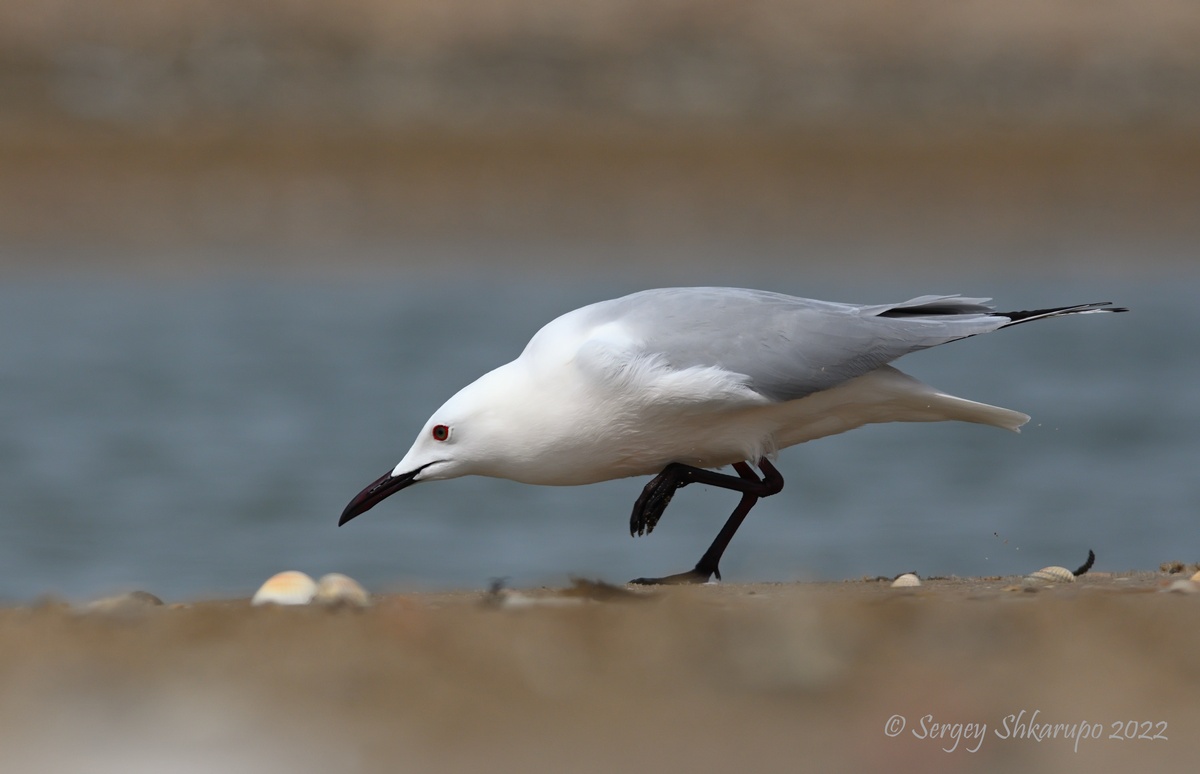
column 375, row 492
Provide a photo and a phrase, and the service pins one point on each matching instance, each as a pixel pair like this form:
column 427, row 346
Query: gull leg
column 657, row 494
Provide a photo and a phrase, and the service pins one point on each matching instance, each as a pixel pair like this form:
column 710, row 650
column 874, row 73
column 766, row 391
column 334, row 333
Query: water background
column 192, row 437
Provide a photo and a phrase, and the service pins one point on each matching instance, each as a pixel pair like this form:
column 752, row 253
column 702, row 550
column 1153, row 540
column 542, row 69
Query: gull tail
column 950, row 407
column 1015, row 318
column 915, row 401
column 911, row 400
column 883, row 395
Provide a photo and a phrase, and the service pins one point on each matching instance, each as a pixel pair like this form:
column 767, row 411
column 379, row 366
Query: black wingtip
column 1028, row 315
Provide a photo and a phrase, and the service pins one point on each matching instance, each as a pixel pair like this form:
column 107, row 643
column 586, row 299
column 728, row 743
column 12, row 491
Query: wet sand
column 760, row 677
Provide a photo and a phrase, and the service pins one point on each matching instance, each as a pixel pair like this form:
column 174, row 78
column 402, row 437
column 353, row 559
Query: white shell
column 906, row 580
column 1052, row 575
column 1196, row 577
column 286, row 588
column 338, row 589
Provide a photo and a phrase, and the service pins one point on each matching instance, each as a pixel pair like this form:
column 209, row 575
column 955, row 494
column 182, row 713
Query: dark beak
column 383, row 487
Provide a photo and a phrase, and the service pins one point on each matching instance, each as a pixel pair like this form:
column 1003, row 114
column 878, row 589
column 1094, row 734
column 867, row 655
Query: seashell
column 337, row 590
column 286, row 588
column 907, row 580
column 1196, row 576
column 1183, row 586
column 1051, row 575
column 131, row 602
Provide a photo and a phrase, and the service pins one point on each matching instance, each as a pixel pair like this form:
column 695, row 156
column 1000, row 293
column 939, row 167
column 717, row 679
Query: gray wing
column 788, row 347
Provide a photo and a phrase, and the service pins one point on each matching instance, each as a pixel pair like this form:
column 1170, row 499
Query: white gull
column 677, row 381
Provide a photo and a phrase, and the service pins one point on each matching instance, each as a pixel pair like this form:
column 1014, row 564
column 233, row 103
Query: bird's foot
column 654, row 500
column 691, row 577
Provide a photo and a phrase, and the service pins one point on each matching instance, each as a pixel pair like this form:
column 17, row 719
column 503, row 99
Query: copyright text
column 951, row 736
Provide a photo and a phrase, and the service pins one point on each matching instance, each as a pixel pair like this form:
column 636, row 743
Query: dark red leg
column 657, row 494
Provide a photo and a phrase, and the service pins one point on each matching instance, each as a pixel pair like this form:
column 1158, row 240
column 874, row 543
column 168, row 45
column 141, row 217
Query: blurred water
column 192, row 438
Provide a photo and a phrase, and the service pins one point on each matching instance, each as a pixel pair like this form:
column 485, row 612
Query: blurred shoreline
column 131, row 129
column 289, row 189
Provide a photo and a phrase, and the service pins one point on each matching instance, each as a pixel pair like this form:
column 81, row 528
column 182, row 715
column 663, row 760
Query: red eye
column 440, row 432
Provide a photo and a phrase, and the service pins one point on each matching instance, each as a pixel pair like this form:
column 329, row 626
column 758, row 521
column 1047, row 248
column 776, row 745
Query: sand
column 765, row 677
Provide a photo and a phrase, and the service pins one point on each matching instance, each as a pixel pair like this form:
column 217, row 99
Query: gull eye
column 441, row 432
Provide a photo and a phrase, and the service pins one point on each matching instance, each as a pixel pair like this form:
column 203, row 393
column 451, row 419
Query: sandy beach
column 767, row 677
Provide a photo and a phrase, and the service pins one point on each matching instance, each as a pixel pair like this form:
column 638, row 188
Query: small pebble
column 515, row 600
column 907, row 580
column 500, row 598
column 1183, row 586
column 337, row 590
column 286, row 588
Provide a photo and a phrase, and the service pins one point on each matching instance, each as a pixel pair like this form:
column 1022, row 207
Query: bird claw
column 650, row 506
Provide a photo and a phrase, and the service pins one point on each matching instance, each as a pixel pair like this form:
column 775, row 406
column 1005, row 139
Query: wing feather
column 784, row 346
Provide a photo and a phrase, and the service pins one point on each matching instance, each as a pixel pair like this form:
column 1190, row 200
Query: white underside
column 642, row 439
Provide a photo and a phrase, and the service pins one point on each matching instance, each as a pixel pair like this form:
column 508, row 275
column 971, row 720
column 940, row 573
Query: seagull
column 680, row 382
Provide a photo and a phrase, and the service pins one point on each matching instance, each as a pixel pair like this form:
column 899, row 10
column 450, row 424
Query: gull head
column 476, row 432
